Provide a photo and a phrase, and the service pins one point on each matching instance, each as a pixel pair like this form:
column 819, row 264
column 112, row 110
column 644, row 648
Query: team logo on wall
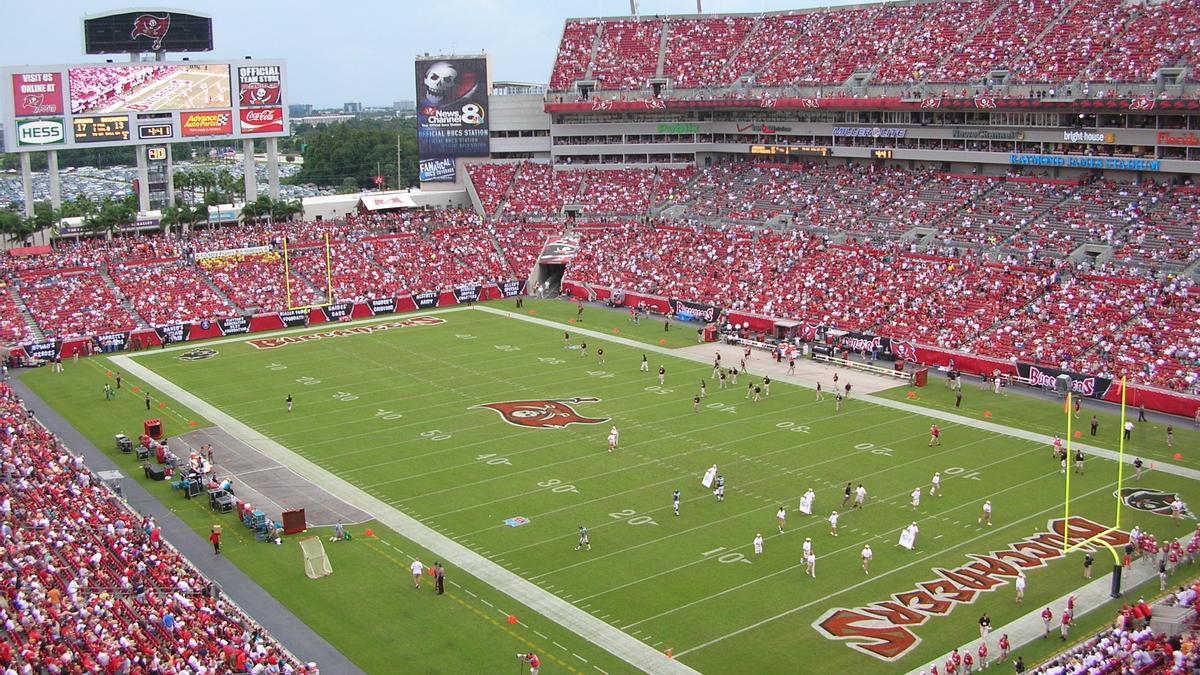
column 198, row 354
column 153, row 27
column 546, row 414
column 1150, row 501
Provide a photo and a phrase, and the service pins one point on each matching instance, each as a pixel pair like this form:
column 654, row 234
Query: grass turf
column 396, row 414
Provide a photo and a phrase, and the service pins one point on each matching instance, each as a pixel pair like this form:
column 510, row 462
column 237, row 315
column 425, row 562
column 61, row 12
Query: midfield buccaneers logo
column 1151, row 501
column 547, row 414
column 153, row 27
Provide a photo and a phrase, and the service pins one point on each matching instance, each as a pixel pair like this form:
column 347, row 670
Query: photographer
column 534, row 663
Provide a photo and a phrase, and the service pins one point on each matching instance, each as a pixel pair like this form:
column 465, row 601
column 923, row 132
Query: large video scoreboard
column 90, row 105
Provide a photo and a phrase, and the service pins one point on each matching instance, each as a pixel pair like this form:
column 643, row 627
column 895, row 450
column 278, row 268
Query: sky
column 361, row 50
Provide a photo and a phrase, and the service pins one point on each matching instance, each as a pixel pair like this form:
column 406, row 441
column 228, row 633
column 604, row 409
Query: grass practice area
column 493, row 431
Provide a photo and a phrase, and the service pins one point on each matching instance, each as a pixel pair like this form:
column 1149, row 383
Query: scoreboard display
column 142, row 103
column 96, row 129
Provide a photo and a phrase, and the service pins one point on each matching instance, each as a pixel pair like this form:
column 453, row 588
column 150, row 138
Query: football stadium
column 847, row 339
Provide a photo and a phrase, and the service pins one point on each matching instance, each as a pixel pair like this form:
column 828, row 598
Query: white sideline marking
column 579, row 622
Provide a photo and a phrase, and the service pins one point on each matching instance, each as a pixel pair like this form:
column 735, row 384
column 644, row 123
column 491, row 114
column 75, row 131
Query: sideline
column 607, row 637
column 1021, row 631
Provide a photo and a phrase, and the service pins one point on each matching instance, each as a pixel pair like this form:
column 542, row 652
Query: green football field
column 480, row 419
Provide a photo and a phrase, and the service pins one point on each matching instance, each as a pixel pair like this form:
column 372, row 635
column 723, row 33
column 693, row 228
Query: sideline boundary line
column 603, row 635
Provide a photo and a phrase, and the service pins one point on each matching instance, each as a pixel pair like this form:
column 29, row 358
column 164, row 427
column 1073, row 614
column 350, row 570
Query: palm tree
column 172, row 216
column 250, row 212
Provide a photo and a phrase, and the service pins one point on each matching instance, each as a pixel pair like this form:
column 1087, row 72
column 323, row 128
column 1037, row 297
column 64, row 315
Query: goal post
column 1100, row 538
column 287, row 276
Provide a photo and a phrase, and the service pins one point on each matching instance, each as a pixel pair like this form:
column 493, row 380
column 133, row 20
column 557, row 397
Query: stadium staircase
column 217, row 289
column 587, row 74
column 473, row 194
column 662, row 48
column 727, row 77
column 30, row 322
column 125, row 302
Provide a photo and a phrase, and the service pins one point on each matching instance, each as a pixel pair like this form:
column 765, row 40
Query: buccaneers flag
column 153, row 27
column 546, row 414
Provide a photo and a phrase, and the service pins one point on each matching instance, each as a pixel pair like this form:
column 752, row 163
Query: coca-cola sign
column 261, row 120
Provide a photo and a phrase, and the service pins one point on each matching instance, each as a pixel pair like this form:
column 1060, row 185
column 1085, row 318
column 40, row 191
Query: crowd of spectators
column 90, row 586
column 1038, row 41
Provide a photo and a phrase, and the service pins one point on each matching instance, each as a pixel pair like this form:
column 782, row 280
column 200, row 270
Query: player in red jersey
column 1047, row 618
column 1004, row 647
column 935, row 435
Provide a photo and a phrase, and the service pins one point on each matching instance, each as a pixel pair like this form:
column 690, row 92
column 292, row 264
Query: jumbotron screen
column 60, row 107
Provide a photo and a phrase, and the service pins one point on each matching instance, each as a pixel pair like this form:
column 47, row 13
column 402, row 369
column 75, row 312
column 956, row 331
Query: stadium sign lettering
column 870, row 132
column 1189, row 139
column 883, row 629
column 1088, row 137
column 984, row 135
column 284, row 340
column 679, row 128
column 41, row 132
column 862, row 344
column 1087, row 162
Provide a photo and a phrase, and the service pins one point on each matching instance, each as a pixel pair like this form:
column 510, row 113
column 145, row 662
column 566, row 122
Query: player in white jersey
column 807, row 547
column 781, row 518
column 806, row 502
column 758, row 543
column 936, row 488
column 810, row 562
column 614, row 437
column 675, row 502
column 866, row 558
column 833, row 518
column 916, row 498
column 986, row 516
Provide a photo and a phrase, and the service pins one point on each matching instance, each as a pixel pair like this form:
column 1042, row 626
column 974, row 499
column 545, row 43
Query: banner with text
column 693, row 311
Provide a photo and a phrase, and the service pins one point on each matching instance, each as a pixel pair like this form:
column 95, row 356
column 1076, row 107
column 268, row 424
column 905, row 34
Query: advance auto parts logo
column 198, row 354
column 284, row 340
column 884, row 629
column 547, row 414
column 218, row 123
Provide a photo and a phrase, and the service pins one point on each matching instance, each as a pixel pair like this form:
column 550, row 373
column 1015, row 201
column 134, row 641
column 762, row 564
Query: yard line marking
column 579, row 657
column 627, row 648
column 541, row 635
column 488, row 604
column 603, row 672
column 846, row 589
column 470, row 593
column 952, row 418
column 560, row 646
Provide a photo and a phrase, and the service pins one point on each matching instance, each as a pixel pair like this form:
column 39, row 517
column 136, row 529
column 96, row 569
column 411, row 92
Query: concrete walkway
column 292, row 633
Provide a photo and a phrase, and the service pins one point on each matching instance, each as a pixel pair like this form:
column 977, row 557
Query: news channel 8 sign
column 452, row 107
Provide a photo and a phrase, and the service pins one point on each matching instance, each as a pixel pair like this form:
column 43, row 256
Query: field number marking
column 344, row 396
column 602, row 374
column 557, row 485
column 435, row 435
column 308, row 380
column 630, row 516
column 961, row 473
column 387, row 414
column 722, row 407
column 661, row 391
column 550, row 360
column 792, row 426
column 507, row 348
column 875, row 450
column 464, row 336
column 276, row 366
column 727, row 558
column 492, row 459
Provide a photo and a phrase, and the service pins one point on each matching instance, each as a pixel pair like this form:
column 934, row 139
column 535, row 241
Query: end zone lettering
column 882, row 629
column 282, row 341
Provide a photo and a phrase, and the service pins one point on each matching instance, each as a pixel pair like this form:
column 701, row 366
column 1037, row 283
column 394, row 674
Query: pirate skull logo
column 440, row 81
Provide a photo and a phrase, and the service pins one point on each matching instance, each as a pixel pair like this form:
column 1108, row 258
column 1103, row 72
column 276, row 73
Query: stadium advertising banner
column 510, row 288
column 1081, row 385
column 117, row 104
column 694, row 311
column 866, row 343
column 452, row 113
column 425, row 300
column 123, row 32
column 37, row 94
column 213, row 123
column 259, row 85
column 41, row 132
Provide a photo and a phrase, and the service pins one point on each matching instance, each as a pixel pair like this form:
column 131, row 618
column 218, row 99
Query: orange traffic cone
column 368, row 533
column 669, row 656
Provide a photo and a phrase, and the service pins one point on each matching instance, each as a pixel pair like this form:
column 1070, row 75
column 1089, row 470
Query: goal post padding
column 316, row 563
